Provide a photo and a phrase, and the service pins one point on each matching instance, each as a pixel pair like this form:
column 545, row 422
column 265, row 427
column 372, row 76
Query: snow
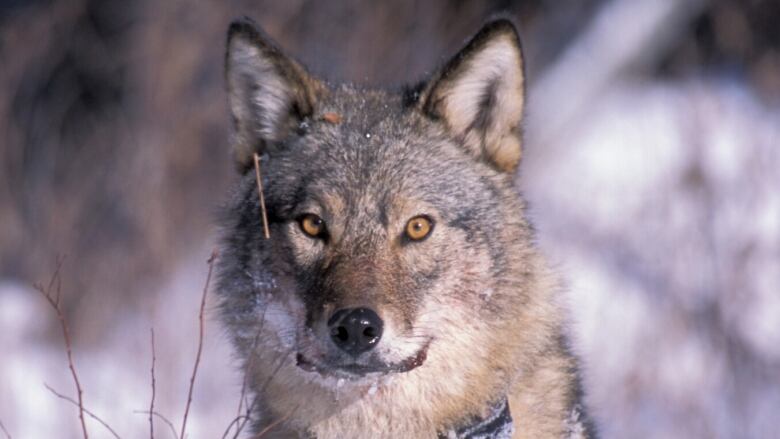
column 115, row 374
column 663, row 217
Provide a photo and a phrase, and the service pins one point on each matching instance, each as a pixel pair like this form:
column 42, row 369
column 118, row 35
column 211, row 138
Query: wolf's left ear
column 479, row 94
column 269, row 93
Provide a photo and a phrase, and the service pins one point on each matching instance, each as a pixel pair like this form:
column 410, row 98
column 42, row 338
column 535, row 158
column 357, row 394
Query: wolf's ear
column 269, row 94
column 479, row 94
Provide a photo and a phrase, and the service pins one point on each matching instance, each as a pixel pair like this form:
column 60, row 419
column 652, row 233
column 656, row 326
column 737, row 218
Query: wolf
column 400, row 294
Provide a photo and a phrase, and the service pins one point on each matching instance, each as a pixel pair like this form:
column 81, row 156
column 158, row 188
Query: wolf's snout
column 355, row 330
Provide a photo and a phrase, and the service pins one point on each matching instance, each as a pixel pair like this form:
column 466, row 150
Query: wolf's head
column 397, row 242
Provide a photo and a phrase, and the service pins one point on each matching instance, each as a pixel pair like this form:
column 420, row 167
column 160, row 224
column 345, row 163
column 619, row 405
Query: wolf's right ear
column 269, row 94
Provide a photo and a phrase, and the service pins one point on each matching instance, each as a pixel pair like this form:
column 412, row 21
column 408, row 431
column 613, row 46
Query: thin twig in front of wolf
column 259, row 178
column 242, row 418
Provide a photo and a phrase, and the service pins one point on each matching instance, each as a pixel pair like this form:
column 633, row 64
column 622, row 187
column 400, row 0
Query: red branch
column 266, row 233
column 248, row 370
column 250, row 408
column 54, row 301
column 271, row 426
column 92, row 415
column 200, row 342
column 164, row 419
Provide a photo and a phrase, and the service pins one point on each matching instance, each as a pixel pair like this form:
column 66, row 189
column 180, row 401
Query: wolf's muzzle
column 355, row 330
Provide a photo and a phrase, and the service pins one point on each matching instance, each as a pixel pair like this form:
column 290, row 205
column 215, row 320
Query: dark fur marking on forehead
column 491, row 186
column 466, row 220
column 282, row 202
column 382, row 208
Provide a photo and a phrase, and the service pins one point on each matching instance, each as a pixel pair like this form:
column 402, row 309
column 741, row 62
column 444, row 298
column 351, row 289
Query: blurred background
column 652, row 163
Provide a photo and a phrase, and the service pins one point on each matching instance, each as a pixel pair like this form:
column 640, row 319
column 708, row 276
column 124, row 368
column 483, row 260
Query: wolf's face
column 391, row 214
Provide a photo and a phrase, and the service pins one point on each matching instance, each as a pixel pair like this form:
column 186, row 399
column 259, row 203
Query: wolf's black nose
column 355, row 330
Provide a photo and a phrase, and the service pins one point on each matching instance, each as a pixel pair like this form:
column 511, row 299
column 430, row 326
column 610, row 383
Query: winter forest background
column 652, row 163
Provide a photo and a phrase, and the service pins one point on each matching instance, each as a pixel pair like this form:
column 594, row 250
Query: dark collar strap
column 496, row 425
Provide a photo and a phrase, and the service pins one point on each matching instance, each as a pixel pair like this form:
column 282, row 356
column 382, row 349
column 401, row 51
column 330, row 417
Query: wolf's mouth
column 355, row 370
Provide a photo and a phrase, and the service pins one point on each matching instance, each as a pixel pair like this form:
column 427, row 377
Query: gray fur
column 475, row 289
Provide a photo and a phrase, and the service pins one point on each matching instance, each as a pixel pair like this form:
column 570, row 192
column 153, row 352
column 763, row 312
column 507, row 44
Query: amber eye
column 419, row 228
column 312, row 225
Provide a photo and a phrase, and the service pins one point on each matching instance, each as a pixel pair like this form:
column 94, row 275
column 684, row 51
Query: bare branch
column 54, row 301
column 251, row 408
column 235, row 421
column 250, row 365
column 200, row 342
column 92, row 415
column 164, row 419
column 243, row 420
column 154, row 391
column 54, row 281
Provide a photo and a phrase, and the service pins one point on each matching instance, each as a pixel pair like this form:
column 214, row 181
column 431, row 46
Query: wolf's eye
column 419, row 228
column 312, row 225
